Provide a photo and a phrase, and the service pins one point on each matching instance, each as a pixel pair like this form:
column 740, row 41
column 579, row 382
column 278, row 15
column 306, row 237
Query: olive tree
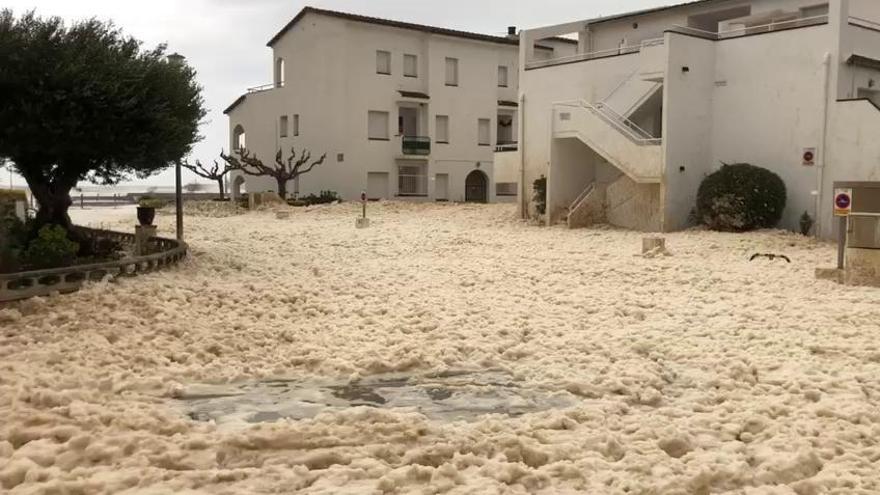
column 85, row 102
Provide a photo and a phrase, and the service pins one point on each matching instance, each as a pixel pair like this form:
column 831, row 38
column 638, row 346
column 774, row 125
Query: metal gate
column 476, row 187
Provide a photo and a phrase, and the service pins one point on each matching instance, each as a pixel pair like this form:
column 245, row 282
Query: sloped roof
column 651, row 10
column 238, row 101
column 401, row 25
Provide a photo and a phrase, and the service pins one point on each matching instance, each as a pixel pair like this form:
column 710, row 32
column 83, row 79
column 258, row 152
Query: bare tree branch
column 282, row 170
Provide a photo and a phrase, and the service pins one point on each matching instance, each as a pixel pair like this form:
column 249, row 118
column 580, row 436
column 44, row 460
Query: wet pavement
column 451, row 396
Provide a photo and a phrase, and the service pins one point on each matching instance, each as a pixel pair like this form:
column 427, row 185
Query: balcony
column 416, row 145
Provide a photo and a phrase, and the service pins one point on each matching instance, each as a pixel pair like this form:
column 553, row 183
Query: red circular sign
column 808, row 156
column 843, row 201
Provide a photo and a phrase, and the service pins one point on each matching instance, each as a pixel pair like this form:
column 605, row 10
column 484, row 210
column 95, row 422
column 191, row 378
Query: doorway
column 476, row 188
column 377, row 185
column 441, row 187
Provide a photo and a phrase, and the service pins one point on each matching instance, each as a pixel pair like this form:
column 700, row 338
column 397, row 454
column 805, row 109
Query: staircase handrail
column 643, row 134
column 615, row 121
column 586, row 192
column 622, row 84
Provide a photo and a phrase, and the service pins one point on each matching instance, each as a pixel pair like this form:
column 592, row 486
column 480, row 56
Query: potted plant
column 146, row 210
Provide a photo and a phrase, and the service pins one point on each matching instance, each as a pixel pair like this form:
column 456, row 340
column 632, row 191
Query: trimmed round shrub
column 51, row 248
column 741, row 197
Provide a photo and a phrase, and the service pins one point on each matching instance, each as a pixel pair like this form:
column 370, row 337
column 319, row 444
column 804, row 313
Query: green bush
column 13, row 235
column 540, row 196
column 324, row 198
column 51, row 248
column 741, row 197
column 151, row 202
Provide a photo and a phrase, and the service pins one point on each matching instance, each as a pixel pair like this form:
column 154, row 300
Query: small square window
column 383, row 62
column 282, row 126
column 340, row 157
column 442, row 131
column 484, row 135
column 502, row 76
column 377, row 125
column 452, row 72
column 410, row 66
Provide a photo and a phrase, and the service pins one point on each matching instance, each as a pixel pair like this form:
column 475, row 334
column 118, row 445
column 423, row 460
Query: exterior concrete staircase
column 619, row 141
column 631, row 94
column 588, row 209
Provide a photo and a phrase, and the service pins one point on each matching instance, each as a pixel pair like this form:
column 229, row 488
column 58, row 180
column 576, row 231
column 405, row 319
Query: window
column 279, row 73
column 383, row 62
column 238, row 138
column 442, row 131
column 506, row 188
column 502, row 76
column 340, row 157
column 410, row 66
column 483, row 134
column 452, row 72
column 378, row 126
column 412, row 179
column 282, row 126
column 296, row 125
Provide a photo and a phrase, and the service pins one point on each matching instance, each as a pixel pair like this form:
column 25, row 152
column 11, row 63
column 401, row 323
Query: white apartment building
column 626, row 129
column 401, row 110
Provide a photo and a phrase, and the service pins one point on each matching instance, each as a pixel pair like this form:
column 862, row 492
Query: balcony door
column 408, row 122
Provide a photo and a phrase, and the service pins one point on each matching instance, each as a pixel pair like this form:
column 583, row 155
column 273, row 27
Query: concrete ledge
column 24, row 285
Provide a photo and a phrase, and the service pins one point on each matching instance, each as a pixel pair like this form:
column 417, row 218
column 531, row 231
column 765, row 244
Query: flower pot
column 146, row 215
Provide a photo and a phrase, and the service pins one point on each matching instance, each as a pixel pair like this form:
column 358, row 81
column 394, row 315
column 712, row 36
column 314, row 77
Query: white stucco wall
column 769, row 120
column 688, row 124
column 331, row 83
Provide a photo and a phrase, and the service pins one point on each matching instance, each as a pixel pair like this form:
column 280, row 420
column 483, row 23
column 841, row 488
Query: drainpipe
column 524, row 203
column 823, row 153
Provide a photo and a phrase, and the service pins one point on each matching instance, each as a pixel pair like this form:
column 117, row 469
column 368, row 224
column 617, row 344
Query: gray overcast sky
column 225, row 40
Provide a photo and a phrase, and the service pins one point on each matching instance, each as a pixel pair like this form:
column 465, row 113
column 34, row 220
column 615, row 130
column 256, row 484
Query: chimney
column 511, row 31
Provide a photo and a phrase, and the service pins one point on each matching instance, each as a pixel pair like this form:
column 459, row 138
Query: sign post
column 362, row 222
column 842, row 209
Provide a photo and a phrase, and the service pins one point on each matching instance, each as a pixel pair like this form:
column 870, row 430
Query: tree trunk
column 222, row 189
column 282, row 188
column 53, row 207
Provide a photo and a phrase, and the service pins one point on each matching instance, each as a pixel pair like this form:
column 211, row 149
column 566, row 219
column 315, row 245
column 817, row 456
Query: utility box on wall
column 863, row 231
column 857, row 204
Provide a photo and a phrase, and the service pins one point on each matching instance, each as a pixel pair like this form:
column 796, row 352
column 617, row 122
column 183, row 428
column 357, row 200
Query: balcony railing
column 416, row 145
column 750, row 30
column 504, row 147
column 265, row 87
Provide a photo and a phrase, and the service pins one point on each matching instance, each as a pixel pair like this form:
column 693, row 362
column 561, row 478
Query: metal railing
column 416, row 145
column 586, row 192
column 610, row 52
column 23, row 285
column 505, row 147
column 632, row 129
column 580, row 57
column 860, row 21
column 626, row 127
column 412, row 184
column 745, row 31
column 265, row 87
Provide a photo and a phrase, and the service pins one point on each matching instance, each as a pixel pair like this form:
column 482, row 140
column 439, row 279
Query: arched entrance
column 476, row 187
